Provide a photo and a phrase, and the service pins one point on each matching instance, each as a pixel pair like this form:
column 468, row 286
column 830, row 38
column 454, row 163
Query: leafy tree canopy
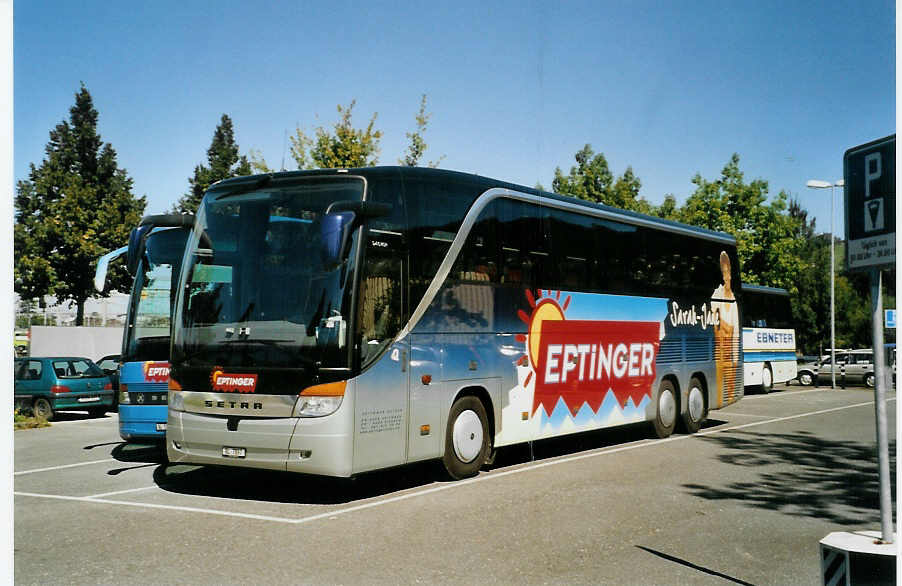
column 343, row 147
column 417, row 145
column 223, row 162
column 73, row 208
column 591, row 179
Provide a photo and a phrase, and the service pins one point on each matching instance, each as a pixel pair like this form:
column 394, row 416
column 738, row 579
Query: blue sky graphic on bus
column 591, row 360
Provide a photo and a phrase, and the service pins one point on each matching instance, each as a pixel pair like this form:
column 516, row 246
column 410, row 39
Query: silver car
column 859, row 368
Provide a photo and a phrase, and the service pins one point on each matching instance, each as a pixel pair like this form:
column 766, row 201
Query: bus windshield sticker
column 212, row 274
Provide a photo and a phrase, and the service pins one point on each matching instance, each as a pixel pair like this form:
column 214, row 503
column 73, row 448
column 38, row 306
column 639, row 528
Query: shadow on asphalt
column 802, row 475
column 284, row 487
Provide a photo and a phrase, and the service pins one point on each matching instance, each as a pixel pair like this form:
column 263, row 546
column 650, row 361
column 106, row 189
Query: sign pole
column 886, row 504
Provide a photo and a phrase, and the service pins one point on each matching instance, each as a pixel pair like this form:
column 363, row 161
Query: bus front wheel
column 666, row 410
column 467, row 440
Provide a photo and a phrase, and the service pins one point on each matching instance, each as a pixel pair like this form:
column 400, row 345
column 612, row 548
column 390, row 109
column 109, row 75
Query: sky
column 515, row 89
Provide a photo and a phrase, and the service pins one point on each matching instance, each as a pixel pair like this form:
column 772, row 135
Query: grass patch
column 26, row 420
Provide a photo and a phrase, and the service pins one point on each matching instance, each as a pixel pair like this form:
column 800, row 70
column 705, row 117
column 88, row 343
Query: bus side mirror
column 103, row 265
column 137, row 239
column 335, row 231
column 340, row 220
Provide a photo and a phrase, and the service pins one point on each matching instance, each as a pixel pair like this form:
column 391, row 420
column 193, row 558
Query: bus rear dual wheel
column 467, row 439
column 667, row 408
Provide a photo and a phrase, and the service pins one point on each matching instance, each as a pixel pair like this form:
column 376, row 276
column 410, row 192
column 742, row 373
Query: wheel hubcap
column 667, row 408
column 768, row 377
column 696, row 404
column 467, row 436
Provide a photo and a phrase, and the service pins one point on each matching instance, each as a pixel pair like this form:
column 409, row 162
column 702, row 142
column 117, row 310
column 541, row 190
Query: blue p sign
column 889, row 318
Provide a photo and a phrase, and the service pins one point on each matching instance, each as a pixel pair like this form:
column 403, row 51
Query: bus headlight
column 316, row 406
column 320, row 400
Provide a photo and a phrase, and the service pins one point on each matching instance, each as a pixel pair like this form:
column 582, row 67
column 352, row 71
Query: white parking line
column 86, row 499
column 418, row 493
column 64, row 466
column 732, row 413
column 98, row 496
column 786, row 393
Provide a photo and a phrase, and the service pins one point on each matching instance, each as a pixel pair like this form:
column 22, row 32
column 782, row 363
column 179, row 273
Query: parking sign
column 869, row 172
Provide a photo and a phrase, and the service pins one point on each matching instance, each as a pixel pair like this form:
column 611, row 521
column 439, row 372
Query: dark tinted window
column 435, row 210
column 766, row 310
column 29, row 369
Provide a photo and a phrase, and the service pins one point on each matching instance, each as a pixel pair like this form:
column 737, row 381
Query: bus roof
column 764, row 290
column 254, row 181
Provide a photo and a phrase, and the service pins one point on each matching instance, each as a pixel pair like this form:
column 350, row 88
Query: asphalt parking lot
column 743, row 501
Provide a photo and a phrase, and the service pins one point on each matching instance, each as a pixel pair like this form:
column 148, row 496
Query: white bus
column 339, row 321
column 768, row 337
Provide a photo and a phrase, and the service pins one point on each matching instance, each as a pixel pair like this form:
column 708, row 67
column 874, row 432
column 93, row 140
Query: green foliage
column 776, row 242
column 417, row 144
column 766, row 234
column 344, row 148
column 73, row 208
column 591, row 179
column 223, row 162
column 23, row 419
column 258, row 163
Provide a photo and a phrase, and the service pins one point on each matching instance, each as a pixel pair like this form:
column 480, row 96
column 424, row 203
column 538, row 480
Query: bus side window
column 381, row 299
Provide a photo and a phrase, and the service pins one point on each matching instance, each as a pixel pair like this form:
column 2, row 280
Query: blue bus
column 153, row 256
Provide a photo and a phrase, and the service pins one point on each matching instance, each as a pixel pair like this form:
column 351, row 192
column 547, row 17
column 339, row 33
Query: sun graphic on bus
column 575, row 363
column 546, row 308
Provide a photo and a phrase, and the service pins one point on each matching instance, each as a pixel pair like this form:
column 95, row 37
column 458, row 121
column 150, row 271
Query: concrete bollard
column 857, row 558
column 842, row 374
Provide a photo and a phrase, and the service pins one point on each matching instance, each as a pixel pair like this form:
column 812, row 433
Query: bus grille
column 695, row 349
column 148, row 393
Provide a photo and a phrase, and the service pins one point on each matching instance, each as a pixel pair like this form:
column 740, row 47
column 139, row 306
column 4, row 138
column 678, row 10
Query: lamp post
column 818, row 184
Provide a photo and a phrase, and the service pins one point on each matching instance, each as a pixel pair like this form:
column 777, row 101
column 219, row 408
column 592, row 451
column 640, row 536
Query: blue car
column 48, row 385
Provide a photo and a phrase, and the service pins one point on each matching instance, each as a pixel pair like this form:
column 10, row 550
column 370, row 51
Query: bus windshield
column 147, row 334
column 258, row 287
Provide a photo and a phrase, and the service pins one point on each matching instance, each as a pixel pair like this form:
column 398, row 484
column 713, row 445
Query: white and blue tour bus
column 334, row 322
column 768, row 337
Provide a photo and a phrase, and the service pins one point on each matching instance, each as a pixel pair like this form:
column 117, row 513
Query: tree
column 417, row 144
column 223, row 162
column 75, row 207
column 346, row 147
column 591, row 179
column 766, row 234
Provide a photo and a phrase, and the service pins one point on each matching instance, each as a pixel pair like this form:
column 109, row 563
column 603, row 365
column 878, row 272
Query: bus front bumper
column 142, row 422
column 321, row 445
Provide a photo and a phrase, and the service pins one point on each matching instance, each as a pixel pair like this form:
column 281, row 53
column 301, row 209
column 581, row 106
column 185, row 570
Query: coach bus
column 154, row 255
column 768, row 337
column 407, row 314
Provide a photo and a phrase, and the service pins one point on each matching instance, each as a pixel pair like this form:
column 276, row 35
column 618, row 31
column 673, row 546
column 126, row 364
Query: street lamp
column 818, row 184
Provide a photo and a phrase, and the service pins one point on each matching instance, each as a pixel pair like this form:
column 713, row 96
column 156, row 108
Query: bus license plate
column 228, row 452
column 88, row 399
column 161, row 427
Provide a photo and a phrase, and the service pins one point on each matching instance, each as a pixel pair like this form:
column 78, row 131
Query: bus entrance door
column 381, row 411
